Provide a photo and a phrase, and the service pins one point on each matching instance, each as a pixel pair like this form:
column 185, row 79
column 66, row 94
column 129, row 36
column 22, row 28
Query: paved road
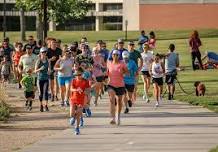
column 173, row 127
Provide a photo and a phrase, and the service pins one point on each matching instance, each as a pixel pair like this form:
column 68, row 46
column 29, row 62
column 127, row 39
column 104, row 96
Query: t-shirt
column 5, row 68
column 57, row 53
column 115, row 73
column 43, row 74
column 156, row 70
column 195, row 43
column 97, row 66
column 88, row 60
column 28, row 83
column 147, row 60
column 7, row 51
column 66, row 66
column 134, row 55
column 171, row 62
column 130, row 77
column 28, row 62
column 76, row 97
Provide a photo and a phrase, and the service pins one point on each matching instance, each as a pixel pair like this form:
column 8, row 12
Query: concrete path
column 173, row 127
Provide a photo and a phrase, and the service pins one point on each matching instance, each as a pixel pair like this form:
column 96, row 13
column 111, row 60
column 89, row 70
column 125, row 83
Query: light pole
column 4, row 19
column 126, row 24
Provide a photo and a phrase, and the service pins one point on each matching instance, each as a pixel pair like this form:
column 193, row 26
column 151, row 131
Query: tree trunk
column 39, row 26
column 22, row 25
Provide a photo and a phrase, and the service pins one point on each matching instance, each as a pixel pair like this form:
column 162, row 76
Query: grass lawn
column 179, row 38
column 214, row 149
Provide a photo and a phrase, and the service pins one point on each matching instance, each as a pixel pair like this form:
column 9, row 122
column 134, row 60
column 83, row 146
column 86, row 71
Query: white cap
column 43, row 49
column 125, row 54
column 116, row 52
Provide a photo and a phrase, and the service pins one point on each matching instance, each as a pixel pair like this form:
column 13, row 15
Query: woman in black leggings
column 195, row 43
column 42, row 66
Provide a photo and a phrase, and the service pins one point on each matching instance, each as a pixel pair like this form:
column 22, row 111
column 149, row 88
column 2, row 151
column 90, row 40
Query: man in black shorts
column 171, row 64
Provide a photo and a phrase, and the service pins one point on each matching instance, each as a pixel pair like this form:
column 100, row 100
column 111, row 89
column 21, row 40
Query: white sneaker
column 144, row 97
column 157, row 104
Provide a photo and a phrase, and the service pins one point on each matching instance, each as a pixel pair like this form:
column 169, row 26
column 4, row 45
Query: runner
column 157, row 71
column 98, row 66
column 137, row 58
column 5, row 68
column 116, row 87
column 147, row 57
column 78, row 88
column 27, row 62
column 16, row 58
column 130, row 80
column 28, row 84
column 53, row 55
column 171, row 65
column 120, row 48
column 152, row 41
column 42, row 68
column 64, row 66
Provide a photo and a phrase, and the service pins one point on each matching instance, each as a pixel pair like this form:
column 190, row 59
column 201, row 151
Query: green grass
column 209, row 39
column 214, row 149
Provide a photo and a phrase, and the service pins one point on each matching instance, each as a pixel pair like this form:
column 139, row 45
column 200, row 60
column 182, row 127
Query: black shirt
column 57, row 53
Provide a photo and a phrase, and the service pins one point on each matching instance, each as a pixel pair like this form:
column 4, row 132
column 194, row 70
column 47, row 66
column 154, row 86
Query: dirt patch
column 24, row 128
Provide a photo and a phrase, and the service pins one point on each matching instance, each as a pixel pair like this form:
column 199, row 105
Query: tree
column 58, row 10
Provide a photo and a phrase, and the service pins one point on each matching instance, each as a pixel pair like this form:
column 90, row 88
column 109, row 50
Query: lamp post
column 4, row 19
column 45, row 19
column 126, row 24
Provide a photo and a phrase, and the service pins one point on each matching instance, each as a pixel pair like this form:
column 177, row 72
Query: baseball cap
column 43, row 49
column 28, row 47
column 131, row 43
column 120, row 40
column 125, row 54
column 116, row 52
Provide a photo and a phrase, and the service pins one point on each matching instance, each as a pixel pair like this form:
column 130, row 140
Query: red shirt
column 76, row 97
column 195, row 43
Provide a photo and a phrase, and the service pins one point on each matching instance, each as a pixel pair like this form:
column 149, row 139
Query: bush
column 4, row 111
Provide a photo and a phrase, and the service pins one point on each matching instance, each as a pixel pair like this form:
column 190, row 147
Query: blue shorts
column 64, row 80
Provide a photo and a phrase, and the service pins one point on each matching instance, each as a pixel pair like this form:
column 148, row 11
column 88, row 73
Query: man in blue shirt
column 129, row 80
column 171, row 64
column 120, row 49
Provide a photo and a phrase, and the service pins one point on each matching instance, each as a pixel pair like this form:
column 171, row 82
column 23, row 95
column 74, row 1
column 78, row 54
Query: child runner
column 28, row 83
column 5, row 70
column 152, row 41
column 157, row 71
column 42, row 68
column 147, row 57
column 78, row 88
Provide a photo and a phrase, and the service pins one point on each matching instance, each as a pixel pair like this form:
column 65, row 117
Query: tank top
column 43, row 74
column 157, row 70
column 67, row 66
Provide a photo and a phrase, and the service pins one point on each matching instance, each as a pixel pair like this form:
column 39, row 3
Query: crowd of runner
column 73, row 74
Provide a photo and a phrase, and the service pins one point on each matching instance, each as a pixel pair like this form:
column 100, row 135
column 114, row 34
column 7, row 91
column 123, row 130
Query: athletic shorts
column 130, row 88
column 119, row 91
column 146, row 73
column 170, row 79
column 100, row 79
column 29, row 94
column 159, row 81
column 64, row 80
column 52, row 75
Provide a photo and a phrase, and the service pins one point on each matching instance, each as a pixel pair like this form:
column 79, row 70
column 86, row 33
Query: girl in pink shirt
column 116, row 70
column 97, row 71
column 152, row 40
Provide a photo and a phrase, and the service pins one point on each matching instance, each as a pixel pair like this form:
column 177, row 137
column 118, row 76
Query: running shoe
column 72, row 121
column 129, row 103
column 157, row 104
column 126, row 110
column 81, row 122
column 77, row 132
column 52, row 98
column 88, row 112
column 67, row 103
column 62, row 103
column 147, row 100
column 46, row 108
column 95, row 103
column 112, row 122
column 144, row 97
column 41, row 108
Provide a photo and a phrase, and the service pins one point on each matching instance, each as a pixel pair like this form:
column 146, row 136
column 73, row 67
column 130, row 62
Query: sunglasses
column 115, row 54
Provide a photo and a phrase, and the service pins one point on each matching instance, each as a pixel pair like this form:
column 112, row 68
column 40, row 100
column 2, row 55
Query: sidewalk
column 173, row 127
